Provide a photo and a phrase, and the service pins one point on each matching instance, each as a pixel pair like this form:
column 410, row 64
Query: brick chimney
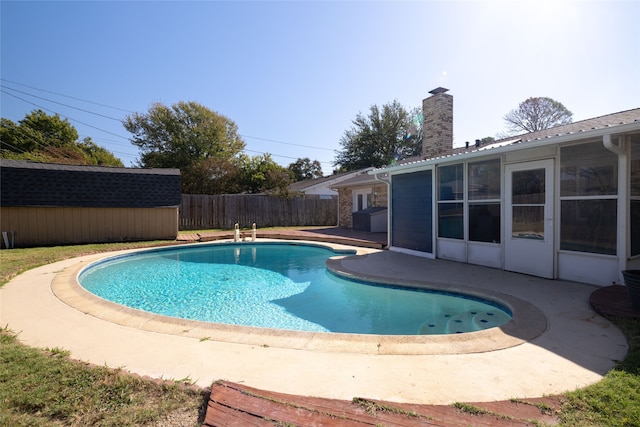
column 437, row 127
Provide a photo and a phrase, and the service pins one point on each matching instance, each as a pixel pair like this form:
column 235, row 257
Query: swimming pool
column 281, row 286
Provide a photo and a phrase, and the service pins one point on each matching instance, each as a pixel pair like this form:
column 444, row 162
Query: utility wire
column 286, row 143
column 43, row 147
column 60, row 103
column 119, row 120
column 67, row 96
column 127, row 111
column 62, row 115
column 279, row 155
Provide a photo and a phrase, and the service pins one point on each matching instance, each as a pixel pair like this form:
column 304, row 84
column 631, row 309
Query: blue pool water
column 282, row 286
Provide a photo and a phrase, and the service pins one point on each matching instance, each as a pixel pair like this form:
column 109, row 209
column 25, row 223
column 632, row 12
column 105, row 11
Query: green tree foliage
column 183, row 136
column 536, row 114
column 44, row 138
column 213, row 175
column 99, row 155
column 387, row 134
column 304, row 169
column 262, row 174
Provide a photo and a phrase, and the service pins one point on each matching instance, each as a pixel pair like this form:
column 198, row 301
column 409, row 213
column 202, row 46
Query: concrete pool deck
column 572, row 348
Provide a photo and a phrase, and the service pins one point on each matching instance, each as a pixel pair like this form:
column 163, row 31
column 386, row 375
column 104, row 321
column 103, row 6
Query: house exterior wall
column 345, row 207
column 594, row 226
column 380, row 195
column 379, row 198
column 45, row 226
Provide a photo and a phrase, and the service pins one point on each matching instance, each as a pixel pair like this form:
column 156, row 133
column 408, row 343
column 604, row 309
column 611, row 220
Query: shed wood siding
column 34, row 226
column 412, row 205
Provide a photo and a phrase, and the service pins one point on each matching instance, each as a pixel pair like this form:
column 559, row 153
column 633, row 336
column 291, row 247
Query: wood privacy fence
column 199, row 211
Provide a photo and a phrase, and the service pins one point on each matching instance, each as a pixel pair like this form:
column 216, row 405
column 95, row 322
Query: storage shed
column 50, row 204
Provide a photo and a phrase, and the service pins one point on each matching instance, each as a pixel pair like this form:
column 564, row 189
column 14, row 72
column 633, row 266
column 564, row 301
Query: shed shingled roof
column 24, row 183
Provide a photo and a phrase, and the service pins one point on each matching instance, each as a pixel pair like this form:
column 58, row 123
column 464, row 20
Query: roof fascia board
column 337, row 180
column 525, row 145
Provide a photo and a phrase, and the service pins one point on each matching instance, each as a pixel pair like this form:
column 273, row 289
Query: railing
column 199, row 211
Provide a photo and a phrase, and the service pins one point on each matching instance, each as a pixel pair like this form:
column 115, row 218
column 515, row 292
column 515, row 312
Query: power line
column 127, row 111
column 67, row 96
column 62, row 115
column 286, row 143
column 115, row 119
column 60, row 103
column 279, row 155
column 43, row 147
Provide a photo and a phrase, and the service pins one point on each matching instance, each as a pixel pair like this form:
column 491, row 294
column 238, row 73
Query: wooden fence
column 224, row 211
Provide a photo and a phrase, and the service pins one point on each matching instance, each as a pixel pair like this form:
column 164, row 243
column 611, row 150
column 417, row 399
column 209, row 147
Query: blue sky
column 293, row 75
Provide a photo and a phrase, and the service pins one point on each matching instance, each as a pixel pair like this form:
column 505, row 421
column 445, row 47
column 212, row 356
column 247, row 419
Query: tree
column 304, row 169
column 536, row 114
column 97, row 155
column 213, row 175
column 49, row 130
column 387, row 134
column 44, row 138
column 262, row 174
column 182, row 136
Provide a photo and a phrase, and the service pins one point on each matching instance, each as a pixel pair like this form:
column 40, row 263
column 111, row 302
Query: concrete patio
column 572, row 347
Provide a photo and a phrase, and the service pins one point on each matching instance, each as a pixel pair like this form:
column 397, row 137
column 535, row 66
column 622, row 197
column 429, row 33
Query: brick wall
column 437, row 110
column 380, row 195
column 345, row 203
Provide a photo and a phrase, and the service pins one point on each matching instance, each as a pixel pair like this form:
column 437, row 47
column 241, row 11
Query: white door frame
column 530, row 253
column 364, row 192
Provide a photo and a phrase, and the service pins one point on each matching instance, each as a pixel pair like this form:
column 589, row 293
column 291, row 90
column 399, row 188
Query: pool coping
column 528, row 322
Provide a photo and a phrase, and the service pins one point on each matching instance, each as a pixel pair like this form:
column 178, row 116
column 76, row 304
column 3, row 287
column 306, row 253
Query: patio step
column 232, row 404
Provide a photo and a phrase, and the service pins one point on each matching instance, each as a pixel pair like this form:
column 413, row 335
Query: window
column 450, row 201
column 634, row 192
column 588, row 198
column 484, row 180
column 484, row 201
column 588, row 170
column 484, row 222
column 589, row 226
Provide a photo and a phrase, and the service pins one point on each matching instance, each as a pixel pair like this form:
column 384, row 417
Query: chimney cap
column 438, row 90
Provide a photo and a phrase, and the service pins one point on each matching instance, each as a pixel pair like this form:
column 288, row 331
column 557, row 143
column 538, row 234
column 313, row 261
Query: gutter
column 525, row 144
column 609, row 145
column 386, row 181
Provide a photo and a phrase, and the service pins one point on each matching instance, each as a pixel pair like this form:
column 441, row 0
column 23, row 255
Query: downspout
column 386, row 181
column 623, row 196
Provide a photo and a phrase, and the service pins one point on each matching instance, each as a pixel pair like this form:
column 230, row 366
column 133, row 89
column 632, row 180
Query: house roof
column 583, row 128
column 330, row 181
column 25, row 183
column 308, row 183
column 362, row 178
column 600, row 122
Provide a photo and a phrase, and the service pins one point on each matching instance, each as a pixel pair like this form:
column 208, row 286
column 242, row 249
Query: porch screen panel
column 412, row 211
column 588, row 198
column 634, row 191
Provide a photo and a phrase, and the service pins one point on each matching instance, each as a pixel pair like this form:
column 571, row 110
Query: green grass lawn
column 41, row 387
